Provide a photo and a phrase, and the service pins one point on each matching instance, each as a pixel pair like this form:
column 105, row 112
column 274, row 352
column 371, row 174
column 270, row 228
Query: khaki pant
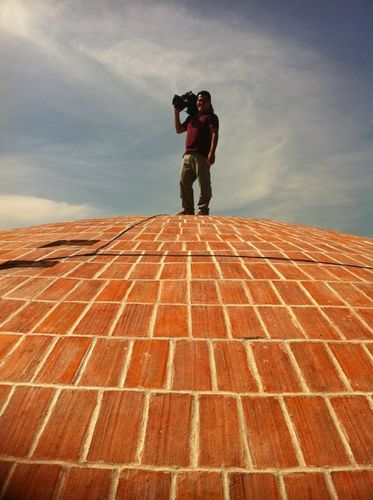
column 195, row 167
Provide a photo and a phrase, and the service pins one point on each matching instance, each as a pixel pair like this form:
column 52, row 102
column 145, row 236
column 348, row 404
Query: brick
column 291, row 293
column 348, row 324
column 60, row 320
column 30, row 289
column 60, row 269
column 206, row 270
column 85, row 291
column 357, row 419
column 105, row 364
column 86, row 270
column 355, row 364
column 8, row 283
column 233, row 292
column 290, row 271
column 144, row 291
column 317, row 367
column 351, row 294
column 171, row 321
column 58, row 289
column 366, row 315
column 261, row 271
column 233, row 270
column 4, row 471
column 174, row 270
column 208, row 322
column 168, row 430
column 306, row 485
column 249, row 485
column 7, row 342
column 63, row 363
column 148, row 366
column 114, row 291
column 134, row 321
column 245, row 323
column 232, row 368
column 4, row 393
column 314, row 324
column 117, row 428
column 220, row 443
column 22, row 418
column 353, row 485
column 144, row 271
column 173, row 292
column 342, row 274
column 25, row 320
column 191, row 366
column 261, row 292
column 64, row 434
column 82, row 483
column 366, row 289
column 319, row 440
column 33, row 481
column 117, row 270
column 279, row 323
column 25, row 360
column 316, row 272
column 268, row 435
column 144, row 484
column 323, row 295
column 203, row 485
column 9, row 307
column 203, row 292
column 97, row 320
column 275, row 368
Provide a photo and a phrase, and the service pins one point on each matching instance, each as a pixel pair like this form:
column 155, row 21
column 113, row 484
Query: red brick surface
column 191, row 357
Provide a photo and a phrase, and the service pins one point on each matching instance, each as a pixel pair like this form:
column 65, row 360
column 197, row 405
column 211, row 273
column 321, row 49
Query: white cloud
column 18, row 211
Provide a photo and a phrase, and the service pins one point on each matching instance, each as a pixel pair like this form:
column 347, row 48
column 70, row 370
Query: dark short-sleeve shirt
column 198, row 133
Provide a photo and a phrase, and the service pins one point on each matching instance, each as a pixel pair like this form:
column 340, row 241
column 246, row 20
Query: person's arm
column 214, row 143
column 178, row 126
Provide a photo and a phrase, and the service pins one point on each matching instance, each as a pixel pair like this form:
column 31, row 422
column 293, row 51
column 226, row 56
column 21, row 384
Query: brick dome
column 185, row 357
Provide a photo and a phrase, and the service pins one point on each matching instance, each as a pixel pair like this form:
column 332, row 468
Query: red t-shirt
column 198, row 133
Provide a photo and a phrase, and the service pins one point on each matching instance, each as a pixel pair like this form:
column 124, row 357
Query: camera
column 187, row 101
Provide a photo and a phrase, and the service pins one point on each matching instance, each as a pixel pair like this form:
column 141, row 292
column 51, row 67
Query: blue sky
column 87, row 125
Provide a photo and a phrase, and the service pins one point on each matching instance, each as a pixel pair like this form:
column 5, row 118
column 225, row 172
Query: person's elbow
column 179, row 130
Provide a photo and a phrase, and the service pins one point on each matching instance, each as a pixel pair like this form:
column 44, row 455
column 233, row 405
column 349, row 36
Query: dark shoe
column 202, row 213
column 185, row 212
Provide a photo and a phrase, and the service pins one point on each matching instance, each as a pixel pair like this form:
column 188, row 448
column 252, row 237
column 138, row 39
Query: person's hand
column 211, row 159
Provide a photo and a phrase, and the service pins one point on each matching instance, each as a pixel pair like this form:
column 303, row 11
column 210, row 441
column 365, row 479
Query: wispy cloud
column 19, row 211
column 291, row 124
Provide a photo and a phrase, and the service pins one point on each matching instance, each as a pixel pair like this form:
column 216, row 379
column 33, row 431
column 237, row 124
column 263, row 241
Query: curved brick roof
column 185, row 357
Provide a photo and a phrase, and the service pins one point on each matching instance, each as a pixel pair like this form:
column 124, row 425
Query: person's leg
column 204, row 178
column 187, row 177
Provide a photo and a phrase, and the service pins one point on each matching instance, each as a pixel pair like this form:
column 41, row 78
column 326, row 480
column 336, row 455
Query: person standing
column 202, row 133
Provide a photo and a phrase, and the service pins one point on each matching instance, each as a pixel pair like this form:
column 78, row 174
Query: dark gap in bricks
column 10, row 264
column 77, row 243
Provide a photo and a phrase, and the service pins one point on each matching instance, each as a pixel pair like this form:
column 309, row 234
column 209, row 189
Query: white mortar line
column 249, row 463
column 253, row 366
column 44, row 422
column 170, row 363
column 338, row 368
column 194, row 434
column 341, row 431
column 292, row 431
column 142, row 430
column 127, row 363
column 91, row 427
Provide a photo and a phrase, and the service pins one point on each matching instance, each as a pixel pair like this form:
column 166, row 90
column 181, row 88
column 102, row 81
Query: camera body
column 187, row 101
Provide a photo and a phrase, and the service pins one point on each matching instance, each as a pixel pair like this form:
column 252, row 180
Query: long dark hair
column 206, row 93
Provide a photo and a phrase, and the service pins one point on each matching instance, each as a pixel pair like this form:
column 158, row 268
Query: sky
column 87, row 123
